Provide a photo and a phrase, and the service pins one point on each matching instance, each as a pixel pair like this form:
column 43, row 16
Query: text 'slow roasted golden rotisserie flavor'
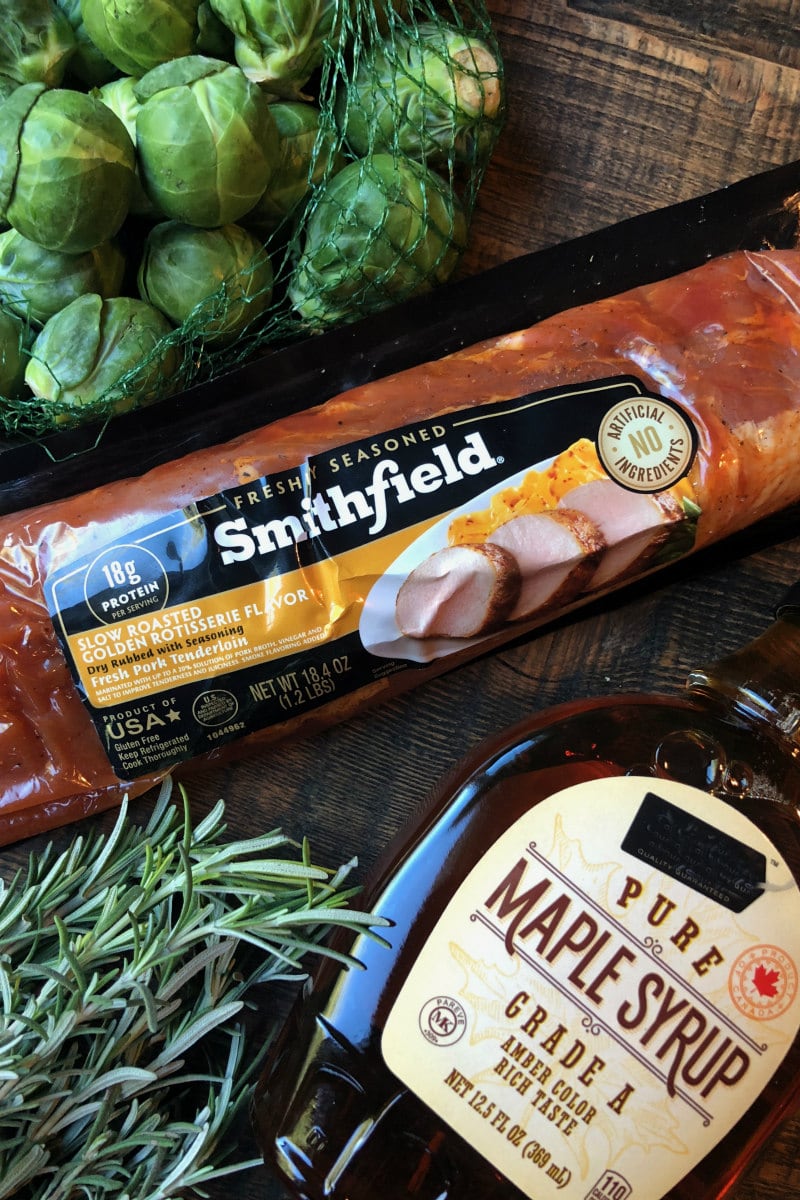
column 278, row 577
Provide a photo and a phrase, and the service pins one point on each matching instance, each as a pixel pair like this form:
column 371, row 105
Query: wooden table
column 615, row 107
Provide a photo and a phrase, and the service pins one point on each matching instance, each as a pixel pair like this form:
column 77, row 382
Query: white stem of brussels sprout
column 477, row 81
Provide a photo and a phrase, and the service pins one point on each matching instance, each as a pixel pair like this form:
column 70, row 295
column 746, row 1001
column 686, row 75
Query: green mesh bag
column 380, row 122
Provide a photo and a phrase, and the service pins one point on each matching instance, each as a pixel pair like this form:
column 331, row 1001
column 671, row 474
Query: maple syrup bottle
column 589, row 986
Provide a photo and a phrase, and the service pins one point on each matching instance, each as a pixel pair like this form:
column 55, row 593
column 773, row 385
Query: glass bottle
column 589, row 985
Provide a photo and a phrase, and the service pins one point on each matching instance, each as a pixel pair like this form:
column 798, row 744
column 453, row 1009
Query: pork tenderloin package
column 278, row 581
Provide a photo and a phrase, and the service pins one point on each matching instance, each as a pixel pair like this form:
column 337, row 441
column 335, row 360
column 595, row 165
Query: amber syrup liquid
column 331, row 1119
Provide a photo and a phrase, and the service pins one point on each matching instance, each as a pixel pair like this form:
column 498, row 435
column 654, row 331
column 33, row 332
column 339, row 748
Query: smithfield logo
column 334, row 508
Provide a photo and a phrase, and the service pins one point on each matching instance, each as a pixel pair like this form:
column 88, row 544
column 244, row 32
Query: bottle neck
column 762, row 680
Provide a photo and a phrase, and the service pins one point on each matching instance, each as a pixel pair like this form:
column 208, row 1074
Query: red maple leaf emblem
column 765, row 980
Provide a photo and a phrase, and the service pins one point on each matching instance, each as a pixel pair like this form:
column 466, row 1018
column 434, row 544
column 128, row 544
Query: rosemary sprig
column 126, row 963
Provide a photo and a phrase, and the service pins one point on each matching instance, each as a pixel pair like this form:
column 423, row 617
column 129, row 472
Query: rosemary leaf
column 127, row 966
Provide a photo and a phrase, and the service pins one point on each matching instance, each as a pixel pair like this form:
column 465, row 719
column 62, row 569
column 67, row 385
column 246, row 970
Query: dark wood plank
column 609, row 117
column 762, row 29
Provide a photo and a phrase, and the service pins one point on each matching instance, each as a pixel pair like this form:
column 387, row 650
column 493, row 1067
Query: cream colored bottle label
column 607, row 992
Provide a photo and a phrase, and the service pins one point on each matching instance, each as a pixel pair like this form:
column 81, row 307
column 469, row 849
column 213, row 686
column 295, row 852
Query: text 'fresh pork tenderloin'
column 166, row 616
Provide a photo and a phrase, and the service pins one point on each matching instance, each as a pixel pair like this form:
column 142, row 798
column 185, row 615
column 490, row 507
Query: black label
column 252, row 606
column 696, row 853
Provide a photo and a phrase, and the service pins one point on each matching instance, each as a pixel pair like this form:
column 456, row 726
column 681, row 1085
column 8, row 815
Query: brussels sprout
column 13, row 358
column 206, row 140
column 7, row 86
column 279, row 44
column 428, row 93
column 306, row 154
column 66, row 167
column 213, row 38
column 381, row 230
column 87, row 65
column 136, row 37
column 36, row 283
column 36, row 41
column 220, row 278
column 120, row 96
column 90, row 351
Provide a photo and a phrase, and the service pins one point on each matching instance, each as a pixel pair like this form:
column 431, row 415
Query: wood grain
column 614, row 110
column 615, row 107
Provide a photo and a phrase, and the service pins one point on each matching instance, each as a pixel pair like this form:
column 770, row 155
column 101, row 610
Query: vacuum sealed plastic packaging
column 277, row 581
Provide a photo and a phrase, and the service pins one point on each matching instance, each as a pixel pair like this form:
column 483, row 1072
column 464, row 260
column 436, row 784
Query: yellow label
column 245, row 626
